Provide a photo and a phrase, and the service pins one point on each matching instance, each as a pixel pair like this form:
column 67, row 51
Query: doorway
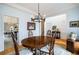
column 9, row 21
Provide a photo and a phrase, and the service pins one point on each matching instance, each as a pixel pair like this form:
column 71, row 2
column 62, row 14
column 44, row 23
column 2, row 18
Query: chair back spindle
column 15, row 43
column 51, row 44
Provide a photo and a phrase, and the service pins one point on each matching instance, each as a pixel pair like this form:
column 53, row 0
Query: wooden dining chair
column 49, row 33
column 48, row 49
column 16, row 46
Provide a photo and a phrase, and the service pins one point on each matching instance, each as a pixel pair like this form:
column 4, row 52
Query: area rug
column 58, row 50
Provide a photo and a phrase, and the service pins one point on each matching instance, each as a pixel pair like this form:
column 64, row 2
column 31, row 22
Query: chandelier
column 38, row 17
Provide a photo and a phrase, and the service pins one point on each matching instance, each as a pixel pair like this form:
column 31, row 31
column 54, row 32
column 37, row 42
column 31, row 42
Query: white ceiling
column 48, row 9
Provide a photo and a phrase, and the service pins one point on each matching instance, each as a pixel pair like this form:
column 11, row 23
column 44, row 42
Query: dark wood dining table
column 36, row 42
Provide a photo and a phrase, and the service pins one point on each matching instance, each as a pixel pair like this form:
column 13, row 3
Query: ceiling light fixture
column 38, row 17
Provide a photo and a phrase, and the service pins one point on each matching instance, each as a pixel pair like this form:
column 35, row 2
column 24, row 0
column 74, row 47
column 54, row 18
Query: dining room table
column 36, row 42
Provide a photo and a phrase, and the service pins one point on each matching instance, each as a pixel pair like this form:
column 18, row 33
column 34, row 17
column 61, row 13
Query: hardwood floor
column 76, row 47
column 8, row 50
column 61, row 42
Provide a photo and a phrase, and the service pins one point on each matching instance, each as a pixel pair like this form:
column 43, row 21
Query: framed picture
column 30, row 26
column 74, row 23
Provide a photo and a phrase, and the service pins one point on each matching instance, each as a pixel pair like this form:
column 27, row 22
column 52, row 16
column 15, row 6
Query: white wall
column 1, row 34
column 73, row 15
column 23, row 16
column 63, row 20
column 37, row 30
column 61, row 23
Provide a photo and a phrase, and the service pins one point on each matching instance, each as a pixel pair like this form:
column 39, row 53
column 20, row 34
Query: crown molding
column 14, row 5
